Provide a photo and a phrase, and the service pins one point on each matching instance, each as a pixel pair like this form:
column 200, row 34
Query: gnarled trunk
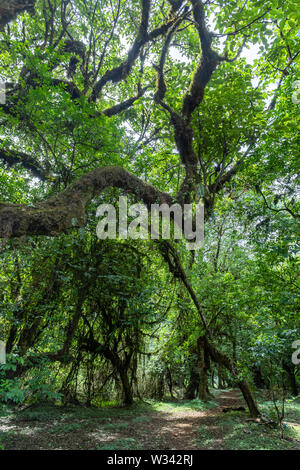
column 222, row 359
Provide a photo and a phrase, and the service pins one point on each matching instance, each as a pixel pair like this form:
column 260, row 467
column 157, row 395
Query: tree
column 56, row 46
column 174, row 119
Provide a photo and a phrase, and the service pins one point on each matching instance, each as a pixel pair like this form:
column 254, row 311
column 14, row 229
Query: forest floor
column 169, row 425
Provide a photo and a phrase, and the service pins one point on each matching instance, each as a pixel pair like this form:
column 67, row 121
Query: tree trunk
column 204, row 365
column 193, row 385
column 172, row 258
column 249, row 398
column 127, row 390
column 203, row 391
column 290, row 370
column 220, row 378
column 170, row 381
column 258, row 378
column 223, row 360
column 159, row 387
column 213, row 379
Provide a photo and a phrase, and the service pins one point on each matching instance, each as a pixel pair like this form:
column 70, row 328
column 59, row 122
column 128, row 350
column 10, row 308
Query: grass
column 46, row 413
column 128, row 443
column 196, row 405
column 205, row 437
column 292, row 409
column 141, row 419
column 118, row 428
column 239, row 434
column 64, row 428
column 253, row 436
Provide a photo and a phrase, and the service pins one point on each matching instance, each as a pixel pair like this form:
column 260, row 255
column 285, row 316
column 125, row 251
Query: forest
column 149, row 342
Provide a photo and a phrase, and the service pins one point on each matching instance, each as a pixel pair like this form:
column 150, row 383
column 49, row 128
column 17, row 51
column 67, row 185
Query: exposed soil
column 179, row 430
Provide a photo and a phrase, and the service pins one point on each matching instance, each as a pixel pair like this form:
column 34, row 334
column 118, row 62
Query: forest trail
column 174, row 425
column 170, row 425
column 180, row 429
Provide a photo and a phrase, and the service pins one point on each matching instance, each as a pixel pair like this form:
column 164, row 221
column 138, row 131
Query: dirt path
column 179, row 430
column 174, row 427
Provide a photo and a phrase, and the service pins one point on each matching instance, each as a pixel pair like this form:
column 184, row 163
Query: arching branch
column 68, row 208
column 10, row 9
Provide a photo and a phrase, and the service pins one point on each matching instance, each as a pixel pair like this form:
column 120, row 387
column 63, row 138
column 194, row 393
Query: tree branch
column 118, row 108
column 208, row 63
column 295, row 215
column 13, row 157
column 67, row 209
column 119, row 73
column 10, row 9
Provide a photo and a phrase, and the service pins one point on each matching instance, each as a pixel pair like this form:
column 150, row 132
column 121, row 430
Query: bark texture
column 68, row 208
column 10, row 9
